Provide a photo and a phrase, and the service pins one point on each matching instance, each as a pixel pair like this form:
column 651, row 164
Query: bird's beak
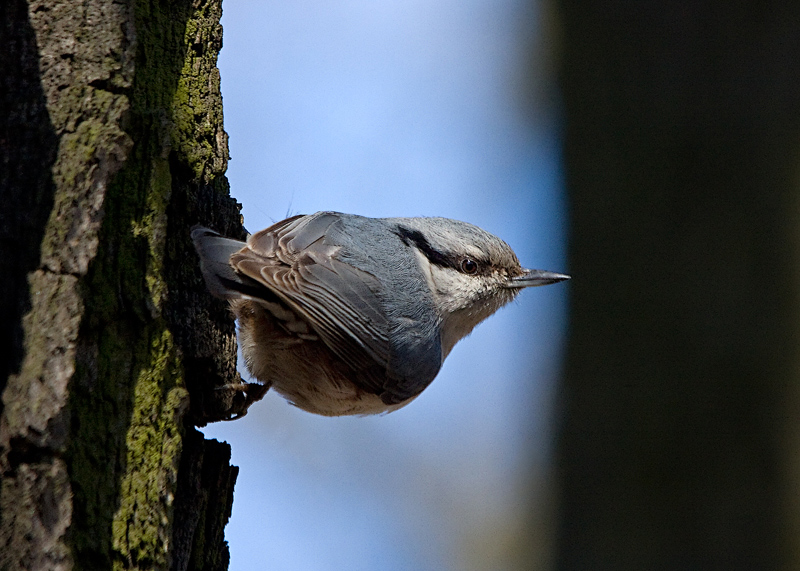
column 533, row 278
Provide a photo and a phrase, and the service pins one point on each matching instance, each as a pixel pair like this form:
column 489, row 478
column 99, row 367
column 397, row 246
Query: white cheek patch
column 426, row 268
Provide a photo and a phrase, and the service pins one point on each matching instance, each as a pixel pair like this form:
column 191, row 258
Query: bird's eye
column 469, row 266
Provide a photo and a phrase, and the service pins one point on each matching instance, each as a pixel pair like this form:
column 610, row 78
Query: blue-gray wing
column 340, row 302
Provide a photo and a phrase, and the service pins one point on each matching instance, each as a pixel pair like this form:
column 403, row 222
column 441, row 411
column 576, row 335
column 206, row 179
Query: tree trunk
column 681, row 403
column 112, row 145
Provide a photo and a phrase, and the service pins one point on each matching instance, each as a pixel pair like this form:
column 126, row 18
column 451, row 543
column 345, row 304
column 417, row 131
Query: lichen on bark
column 115, row 322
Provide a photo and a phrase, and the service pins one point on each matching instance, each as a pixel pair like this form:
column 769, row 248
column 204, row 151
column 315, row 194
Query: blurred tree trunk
column 680, row 437
column 112, row 146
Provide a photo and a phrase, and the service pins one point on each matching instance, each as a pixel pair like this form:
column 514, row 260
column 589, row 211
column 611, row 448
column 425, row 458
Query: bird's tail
column 215, row 253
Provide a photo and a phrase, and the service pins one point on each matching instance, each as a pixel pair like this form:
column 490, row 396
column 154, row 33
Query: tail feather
column 215, row 253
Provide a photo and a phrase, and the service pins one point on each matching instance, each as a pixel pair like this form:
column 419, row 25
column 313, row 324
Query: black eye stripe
column 434, row 256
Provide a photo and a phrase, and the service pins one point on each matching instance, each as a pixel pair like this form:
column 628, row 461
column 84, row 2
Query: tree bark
column 681, row 401
column 113, row 147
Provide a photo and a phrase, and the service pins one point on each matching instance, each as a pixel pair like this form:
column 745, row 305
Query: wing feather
column 339, row 301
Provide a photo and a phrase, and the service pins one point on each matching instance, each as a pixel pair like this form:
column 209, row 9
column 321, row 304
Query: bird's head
column 470, row 272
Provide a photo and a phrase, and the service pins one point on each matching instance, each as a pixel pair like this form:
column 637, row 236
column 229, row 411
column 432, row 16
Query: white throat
column 462, row 301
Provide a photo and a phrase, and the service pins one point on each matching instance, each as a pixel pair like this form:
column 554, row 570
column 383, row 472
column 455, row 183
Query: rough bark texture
column 112, row 146
column 679, row 444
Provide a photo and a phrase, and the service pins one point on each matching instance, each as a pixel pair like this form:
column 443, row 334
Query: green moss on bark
column 142, row 524
column 130, row 402
column 198, row 135
column 153, row 227
column 109, row 316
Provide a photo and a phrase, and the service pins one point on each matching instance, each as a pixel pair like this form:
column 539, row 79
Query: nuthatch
column 344, row 314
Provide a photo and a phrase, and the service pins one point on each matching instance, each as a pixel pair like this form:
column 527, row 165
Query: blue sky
column 400, row 109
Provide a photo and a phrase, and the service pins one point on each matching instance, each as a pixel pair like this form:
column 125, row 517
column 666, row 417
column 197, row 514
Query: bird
column 344, row 314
